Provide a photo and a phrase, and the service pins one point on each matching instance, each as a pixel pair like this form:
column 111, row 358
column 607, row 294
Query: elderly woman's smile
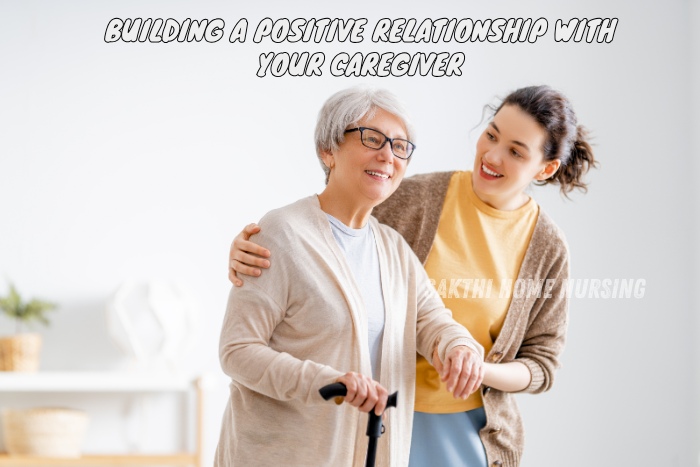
column 378, row 174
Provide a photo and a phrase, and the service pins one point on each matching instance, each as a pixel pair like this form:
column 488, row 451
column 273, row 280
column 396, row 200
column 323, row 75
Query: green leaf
column 35, row 310
column 11, row 304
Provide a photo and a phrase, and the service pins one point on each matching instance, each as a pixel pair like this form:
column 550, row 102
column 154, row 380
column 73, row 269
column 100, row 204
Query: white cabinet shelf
column 106, row 382
column 91, row 382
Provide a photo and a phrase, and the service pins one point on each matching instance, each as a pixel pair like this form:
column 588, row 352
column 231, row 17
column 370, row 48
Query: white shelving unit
column 106, row 382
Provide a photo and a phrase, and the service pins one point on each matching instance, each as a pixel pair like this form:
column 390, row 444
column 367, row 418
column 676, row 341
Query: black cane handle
column 392, row 399
column 333, row 390
column 339, row 390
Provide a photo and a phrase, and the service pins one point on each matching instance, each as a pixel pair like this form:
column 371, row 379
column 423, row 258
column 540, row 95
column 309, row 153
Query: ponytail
column 566, row 140
column 575, row 166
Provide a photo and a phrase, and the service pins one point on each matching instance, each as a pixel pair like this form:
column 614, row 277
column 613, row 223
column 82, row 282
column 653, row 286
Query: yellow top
column 473, row 263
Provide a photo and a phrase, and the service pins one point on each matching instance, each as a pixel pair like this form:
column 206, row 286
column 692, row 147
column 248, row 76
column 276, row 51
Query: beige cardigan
column 534, row 330
column 301, row 325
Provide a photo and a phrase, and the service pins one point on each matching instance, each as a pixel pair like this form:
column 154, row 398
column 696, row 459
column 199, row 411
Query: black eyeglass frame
column 410, row 146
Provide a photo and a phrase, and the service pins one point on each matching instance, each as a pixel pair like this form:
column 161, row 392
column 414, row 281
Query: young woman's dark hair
column 566, row 140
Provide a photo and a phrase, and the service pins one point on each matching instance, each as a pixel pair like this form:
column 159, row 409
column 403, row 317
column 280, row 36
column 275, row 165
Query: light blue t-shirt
column 360, row 248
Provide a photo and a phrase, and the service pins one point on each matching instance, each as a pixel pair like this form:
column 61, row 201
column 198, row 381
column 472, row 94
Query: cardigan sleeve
column 245, row 354
column 252, row 351
column 545, row 335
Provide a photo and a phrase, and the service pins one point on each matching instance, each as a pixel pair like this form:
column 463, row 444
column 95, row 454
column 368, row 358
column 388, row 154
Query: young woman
column 498, row 262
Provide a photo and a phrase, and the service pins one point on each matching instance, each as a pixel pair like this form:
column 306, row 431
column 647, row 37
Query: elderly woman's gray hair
column 346, row 108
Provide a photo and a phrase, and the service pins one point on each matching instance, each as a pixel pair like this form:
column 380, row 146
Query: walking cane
column 375, row 428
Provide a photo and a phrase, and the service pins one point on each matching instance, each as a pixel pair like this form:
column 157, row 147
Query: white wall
column 143, row 160
column 695, row 167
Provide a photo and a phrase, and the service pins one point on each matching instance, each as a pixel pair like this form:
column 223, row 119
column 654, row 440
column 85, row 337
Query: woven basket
column 20, row 352
column 44, row 432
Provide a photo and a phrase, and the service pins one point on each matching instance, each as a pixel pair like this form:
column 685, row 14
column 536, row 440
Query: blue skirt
column 450, row 439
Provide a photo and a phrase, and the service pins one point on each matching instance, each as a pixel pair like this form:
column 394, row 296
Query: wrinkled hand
column 462, row 371
column 364, row 393
column 246, row 257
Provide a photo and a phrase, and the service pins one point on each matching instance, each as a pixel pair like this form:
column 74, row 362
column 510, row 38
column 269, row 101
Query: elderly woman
column 345, row 301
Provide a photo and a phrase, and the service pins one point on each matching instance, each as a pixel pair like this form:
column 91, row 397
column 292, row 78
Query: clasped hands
column 462, row 372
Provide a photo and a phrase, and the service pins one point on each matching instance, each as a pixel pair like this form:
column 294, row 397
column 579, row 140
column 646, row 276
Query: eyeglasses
column 373, row 139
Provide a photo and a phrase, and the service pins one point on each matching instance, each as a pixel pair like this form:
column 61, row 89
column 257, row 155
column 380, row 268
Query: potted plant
column 20, row 352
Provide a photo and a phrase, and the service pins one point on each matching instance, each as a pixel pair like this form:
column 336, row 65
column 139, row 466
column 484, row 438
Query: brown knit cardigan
column 535, row 326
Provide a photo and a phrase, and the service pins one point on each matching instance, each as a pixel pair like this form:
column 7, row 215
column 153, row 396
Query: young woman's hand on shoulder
column 246, row 257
